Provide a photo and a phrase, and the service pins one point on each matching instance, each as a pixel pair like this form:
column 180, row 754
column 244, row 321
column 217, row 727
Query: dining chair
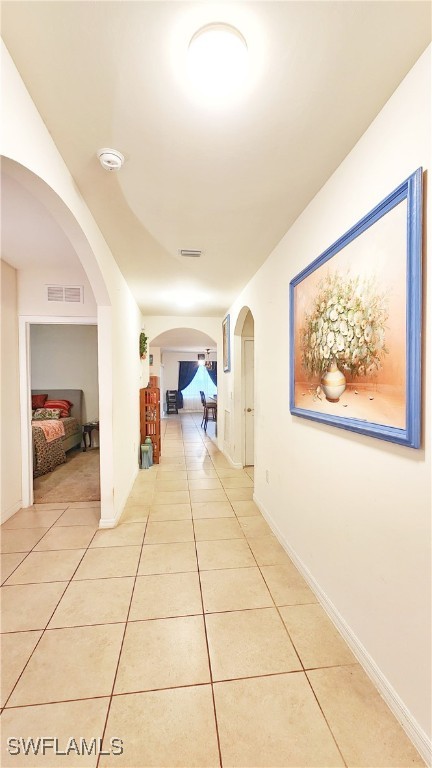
column 209, row 409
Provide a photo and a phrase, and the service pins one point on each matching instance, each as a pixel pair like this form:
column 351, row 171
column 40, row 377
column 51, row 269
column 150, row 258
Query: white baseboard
column 7, row 513
column 234, row 464
column 111, row 522
column 411, row 727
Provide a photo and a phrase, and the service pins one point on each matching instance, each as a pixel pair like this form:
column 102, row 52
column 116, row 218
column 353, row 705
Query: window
column 191, row 394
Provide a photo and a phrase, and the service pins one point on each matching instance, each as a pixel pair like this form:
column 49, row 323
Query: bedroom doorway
column 64, row 394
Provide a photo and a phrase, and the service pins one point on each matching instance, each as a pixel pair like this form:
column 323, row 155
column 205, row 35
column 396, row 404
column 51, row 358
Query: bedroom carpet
column 77, row 480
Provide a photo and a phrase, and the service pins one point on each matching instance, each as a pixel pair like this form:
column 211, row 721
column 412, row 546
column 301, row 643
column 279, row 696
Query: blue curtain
column 187, row 371
column 213, row 373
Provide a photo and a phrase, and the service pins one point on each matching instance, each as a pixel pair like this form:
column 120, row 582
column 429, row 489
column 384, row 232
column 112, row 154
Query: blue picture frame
column 306, row 352
column 226, row 344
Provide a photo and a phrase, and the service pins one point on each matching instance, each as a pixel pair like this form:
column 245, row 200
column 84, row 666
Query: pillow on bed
column 38, row 401
column 63, row 405
column 41, row 414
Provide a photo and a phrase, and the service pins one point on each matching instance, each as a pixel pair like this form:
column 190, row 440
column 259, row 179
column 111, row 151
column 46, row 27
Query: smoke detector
column 110, row 159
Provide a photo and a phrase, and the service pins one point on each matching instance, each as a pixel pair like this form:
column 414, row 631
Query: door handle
column 249, row 410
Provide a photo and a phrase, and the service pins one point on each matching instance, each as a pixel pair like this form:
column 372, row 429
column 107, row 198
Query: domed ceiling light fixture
column 110, row 159
column 217, row 63
column 205, row 361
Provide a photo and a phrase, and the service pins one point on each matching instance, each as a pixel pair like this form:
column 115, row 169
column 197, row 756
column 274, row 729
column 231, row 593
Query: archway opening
column 61, row 289
column 183, row 363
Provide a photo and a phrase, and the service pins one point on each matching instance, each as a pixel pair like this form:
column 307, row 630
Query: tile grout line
column 325, row 718
column 66, row 549
column 122, row 644
column 34, row 545
column 296, row 652
column 298, row 655
column 207, row 648
column 163, row 618
column 49, row 619
column 165, row 688
column 274, row 604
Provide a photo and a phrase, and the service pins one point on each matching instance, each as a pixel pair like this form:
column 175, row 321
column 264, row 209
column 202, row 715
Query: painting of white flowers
column 356, row 325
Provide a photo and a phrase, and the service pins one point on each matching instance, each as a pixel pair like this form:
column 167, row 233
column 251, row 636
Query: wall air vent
column 66, row 293
column 190, row 253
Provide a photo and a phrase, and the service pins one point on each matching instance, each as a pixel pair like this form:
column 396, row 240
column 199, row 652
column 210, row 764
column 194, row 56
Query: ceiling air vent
column 190, row 253
column 66, row 293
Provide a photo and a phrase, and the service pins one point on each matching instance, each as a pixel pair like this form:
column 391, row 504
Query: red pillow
column 38, row 401
column 63, row 405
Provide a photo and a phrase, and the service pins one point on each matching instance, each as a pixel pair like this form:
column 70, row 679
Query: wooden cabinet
column 150, row 419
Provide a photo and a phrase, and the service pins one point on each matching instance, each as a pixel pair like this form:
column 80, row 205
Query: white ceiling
column 229, row 182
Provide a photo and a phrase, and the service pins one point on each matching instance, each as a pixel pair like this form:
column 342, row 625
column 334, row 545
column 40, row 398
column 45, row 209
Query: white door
column 248, row 359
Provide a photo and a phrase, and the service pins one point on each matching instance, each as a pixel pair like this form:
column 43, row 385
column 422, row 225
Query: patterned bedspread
column 48, row 455
column 52, row 428
column 71, row 426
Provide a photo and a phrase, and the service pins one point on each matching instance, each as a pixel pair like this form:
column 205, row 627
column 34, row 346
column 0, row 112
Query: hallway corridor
column 186, row 632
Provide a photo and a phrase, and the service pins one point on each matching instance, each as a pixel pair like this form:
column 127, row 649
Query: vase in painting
column 333, row 383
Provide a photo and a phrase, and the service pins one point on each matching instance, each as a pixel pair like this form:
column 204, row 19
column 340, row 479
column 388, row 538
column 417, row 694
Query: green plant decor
column 143, row 345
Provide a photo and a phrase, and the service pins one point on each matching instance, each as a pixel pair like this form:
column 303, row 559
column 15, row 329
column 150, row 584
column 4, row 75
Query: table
column 87, row 430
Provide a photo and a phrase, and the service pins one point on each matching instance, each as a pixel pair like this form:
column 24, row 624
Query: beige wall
column 248, row 326
column 32, row 292
column 65, row 357
column 354, row 511
column 10, row 424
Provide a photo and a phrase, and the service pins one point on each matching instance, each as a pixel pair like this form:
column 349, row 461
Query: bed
column 49, row 452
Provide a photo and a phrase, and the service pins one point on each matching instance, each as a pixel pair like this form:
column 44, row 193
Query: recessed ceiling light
column 217, row 62
column 184, row 297
column 110, row 159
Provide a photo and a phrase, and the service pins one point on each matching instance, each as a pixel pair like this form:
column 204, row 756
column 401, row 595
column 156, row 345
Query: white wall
column 10, row 426
column 32, row 292
column 355, row 512
column 66, row 357
column 26, row 143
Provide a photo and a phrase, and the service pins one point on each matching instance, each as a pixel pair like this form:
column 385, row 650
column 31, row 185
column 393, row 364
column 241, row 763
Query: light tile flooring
column 186, row 632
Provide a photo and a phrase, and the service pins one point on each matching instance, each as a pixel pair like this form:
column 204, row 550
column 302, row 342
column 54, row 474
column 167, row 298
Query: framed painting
column 356, row 323
column 226, row 348
column 150, row 359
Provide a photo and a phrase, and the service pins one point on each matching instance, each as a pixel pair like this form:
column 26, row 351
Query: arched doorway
column 175, row 352
column 197, row 332
column 48, row 208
